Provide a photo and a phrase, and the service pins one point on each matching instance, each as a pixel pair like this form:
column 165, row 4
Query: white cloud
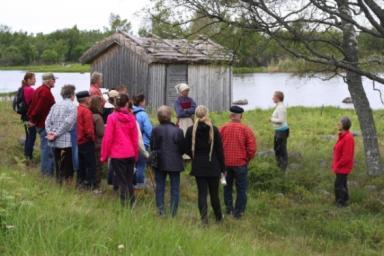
column 47, row 15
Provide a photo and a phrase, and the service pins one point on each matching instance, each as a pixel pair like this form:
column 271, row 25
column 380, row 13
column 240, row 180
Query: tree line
column 252, row 48
column 60, row 46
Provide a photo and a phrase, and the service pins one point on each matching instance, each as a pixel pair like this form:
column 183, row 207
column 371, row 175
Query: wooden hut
column 154, row 66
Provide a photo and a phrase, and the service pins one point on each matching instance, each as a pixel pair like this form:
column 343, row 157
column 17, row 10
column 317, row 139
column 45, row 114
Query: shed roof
column 158, row 50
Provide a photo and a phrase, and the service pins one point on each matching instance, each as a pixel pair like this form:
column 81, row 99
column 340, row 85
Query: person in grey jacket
column 168, row 141
column 59, row 124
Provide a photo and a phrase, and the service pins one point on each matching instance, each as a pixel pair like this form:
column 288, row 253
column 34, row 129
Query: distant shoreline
column 287, row 66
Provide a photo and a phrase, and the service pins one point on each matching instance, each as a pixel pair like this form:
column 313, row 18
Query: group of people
column 117, row 131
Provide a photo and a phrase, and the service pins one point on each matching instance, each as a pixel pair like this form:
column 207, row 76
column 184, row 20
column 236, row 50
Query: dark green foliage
column 66, row 45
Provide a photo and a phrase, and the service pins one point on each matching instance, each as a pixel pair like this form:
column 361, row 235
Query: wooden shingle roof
column 158, row 50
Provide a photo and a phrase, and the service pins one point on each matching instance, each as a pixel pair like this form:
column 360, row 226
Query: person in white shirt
column 280, row 125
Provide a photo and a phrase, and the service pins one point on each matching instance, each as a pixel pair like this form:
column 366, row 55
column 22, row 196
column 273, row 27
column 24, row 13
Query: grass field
column 288, row 214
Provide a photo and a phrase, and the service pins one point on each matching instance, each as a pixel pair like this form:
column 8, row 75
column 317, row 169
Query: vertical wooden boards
column 211, row 86
column 175, row 74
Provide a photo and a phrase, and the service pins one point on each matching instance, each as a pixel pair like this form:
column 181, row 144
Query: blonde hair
column 202, row 115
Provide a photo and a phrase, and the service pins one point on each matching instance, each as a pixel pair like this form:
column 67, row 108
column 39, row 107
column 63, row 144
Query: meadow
column 287, row 214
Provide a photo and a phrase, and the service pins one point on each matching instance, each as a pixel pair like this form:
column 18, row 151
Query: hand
column 29, row 124
column 51, row 136
column 103, row 161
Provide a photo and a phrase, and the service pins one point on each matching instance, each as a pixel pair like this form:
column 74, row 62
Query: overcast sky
column 49, row 15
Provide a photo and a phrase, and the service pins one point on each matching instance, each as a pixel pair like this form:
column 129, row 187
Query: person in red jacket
column 41, row 103
column 239, row 145
column 86, row 175
column 343, row 159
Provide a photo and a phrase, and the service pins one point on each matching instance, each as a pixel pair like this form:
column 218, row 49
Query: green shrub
column 266, row 176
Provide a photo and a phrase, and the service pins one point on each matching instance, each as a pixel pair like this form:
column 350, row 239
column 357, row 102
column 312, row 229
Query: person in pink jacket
column 120, row 144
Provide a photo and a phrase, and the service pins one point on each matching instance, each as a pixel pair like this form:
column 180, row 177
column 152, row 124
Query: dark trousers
column 239, row 175
column 87, row 164
column 280, row 147
column 211, row 184
column 30, row 138
column 160, row 178
column 63, row 164
column 123, row 169
column 341, row 189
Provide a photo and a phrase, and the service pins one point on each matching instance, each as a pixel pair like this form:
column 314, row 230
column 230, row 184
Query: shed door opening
column 175, row 74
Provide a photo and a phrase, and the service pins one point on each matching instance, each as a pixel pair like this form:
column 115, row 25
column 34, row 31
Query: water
column 256, row 88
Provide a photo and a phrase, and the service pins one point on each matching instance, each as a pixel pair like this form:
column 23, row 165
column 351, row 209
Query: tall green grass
column 287, row 214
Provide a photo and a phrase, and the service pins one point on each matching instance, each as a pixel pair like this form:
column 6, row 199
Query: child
column 85, row 141
column 120, row 144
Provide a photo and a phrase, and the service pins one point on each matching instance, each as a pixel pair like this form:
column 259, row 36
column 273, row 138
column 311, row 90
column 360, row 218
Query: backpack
column 18, row 103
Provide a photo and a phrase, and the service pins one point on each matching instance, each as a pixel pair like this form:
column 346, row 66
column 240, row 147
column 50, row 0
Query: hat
column 49, row 76
column 82, row 94
column 113, row 94
column 236, row 110
column 182, row 87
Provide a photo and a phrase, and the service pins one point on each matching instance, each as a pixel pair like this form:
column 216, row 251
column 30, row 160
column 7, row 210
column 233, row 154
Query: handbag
column 154, row 159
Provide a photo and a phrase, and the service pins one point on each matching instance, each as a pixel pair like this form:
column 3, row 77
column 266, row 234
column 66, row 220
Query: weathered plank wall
column 120, row 66
column 176, row 74
column 211, row 86
column 156, row 86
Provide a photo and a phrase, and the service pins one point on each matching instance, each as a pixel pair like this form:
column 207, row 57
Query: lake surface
column 256, row 88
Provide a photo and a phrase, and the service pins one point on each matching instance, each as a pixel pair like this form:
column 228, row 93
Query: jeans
column 211, row 184
column 30, row 138
column 75, row 150
column 63, row 163
column 87, row 165
column 240, row 176
column 341, row 189
column 160, row 178
column 141, row 164
column 46, row 154
column 280, row 147
column 123, row 169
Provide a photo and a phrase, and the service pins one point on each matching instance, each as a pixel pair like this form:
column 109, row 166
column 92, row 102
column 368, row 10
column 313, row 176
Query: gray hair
column 67, row 91
column 345, row 123
column 96, row 76
column 164, row 114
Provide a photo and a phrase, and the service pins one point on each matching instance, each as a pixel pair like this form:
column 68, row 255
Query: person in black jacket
column 204, row 146
column 167, row 141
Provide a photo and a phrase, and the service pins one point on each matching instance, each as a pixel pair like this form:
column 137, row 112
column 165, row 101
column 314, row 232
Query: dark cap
column 82, row 94
column 236, row 110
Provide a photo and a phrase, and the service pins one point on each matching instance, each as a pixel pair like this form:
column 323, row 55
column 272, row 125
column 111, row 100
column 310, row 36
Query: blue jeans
column 239, row 175
column 30, row 138
column 46, row 154
column 160, row 178
column 75, row 150
column 141, row 164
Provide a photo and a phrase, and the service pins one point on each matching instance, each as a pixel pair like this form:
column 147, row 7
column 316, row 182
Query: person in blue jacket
column 146, row 130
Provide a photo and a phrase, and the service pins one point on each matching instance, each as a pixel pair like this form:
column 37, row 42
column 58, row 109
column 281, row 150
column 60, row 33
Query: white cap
column 182, row 87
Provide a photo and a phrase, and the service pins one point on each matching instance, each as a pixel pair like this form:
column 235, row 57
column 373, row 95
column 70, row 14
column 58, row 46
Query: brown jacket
column 98, row 123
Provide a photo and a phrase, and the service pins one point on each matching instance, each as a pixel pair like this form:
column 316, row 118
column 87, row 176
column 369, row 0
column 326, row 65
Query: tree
column 50, row 56
column 116, row 23
column 317, row 31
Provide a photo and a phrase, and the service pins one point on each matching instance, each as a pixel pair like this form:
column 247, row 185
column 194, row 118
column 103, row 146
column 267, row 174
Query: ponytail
column 202, row 115
column 28, row 75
